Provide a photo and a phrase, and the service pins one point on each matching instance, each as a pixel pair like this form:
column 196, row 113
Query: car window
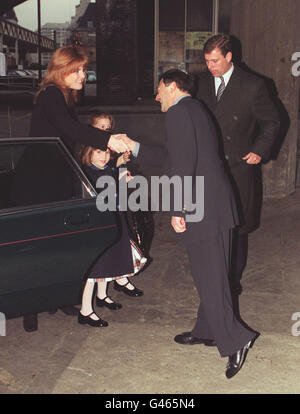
column 38, row 173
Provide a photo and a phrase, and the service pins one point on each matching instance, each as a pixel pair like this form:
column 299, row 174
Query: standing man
column 248, row 124
column 192, row 150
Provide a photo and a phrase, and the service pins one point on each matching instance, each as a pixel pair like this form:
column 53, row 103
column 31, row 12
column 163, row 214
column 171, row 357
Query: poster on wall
column 196, row 40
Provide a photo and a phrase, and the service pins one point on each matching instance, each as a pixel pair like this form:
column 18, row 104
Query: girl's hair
column 63, row 62
column 95, row 116
column 85, row 155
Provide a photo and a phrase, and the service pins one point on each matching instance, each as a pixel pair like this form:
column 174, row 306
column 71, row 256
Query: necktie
column 221, row 88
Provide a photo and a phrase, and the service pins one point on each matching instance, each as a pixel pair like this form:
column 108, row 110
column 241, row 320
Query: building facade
column 138, row 40
column 83, row 30
column 59, row 32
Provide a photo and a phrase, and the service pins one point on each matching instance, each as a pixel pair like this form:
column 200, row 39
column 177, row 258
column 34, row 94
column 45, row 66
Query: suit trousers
column 241, row 255
column 210, row 265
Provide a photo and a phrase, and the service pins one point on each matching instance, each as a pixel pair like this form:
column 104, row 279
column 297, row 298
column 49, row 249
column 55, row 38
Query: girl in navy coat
column 123, row 259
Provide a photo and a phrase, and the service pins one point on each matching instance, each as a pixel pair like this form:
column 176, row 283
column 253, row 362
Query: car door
column 50, row 229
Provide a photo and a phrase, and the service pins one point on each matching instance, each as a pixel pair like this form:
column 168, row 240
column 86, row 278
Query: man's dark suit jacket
column 192, row 149
column 248, row 122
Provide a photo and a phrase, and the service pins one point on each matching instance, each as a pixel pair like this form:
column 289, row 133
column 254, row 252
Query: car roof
column 27, row 139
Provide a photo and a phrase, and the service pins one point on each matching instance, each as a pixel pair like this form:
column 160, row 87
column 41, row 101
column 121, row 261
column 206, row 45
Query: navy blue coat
column 117, row 259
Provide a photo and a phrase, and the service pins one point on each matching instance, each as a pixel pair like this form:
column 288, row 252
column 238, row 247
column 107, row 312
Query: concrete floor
column 136, row 353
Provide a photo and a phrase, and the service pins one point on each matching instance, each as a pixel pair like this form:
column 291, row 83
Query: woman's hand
column 117, row 143
column 130, row 143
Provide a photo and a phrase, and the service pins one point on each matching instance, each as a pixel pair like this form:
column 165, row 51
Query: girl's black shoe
column 111, row 306
column 135, row 292
column 92, row 322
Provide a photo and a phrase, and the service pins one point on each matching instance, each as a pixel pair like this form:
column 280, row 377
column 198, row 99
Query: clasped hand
column 120, row 143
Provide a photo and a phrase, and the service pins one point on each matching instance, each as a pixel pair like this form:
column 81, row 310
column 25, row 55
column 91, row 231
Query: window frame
column 89, row 188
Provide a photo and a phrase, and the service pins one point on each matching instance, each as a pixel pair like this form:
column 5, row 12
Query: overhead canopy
column 6, row 5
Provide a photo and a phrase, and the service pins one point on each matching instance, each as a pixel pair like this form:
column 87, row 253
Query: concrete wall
column 269, row 32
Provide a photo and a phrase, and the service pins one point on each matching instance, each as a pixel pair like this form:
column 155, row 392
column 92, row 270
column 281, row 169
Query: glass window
column 184, row 27
column 199, row 20
column 224, row 16
column 35, row 173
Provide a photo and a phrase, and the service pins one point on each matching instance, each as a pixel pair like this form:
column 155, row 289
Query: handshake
column 120, row 143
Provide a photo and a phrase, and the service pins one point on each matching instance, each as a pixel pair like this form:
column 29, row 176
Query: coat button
column 227, row 158
column 235, row 117
column 228, row 137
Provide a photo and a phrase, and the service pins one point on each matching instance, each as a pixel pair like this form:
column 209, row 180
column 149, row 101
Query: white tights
column 87, row 296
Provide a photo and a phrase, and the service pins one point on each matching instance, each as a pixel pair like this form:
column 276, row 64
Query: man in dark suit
column 192, row 150
column 248, row 123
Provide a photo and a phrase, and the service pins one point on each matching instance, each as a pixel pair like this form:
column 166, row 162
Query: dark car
column 51, row 231
column 18, row 79
column 91, row 76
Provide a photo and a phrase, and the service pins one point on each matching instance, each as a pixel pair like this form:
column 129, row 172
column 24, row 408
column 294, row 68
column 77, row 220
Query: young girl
column 124, row 258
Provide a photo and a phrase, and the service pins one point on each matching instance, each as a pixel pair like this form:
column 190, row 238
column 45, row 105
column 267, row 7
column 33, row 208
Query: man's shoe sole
column 194, row 341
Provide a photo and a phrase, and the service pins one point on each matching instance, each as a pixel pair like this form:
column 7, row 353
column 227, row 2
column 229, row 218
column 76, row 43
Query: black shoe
column 70, row 310
column 186, row 338
column 134, row 292
column 52, row 311
column 238, row 288
column 87, row 320
column 111, row 306
column 236, row 360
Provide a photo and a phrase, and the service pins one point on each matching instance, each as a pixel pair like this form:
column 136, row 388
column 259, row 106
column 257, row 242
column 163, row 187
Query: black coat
column 117, row 259
column 247, row 122
column 51, row 117
column 192, row 149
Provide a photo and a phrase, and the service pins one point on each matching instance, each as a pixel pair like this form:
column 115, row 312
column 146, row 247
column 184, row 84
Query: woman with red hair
column 54, row 110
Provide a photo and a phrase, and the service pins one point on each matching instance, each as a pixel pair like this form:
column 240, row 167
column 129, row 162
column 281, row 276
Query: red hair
column 64, row 61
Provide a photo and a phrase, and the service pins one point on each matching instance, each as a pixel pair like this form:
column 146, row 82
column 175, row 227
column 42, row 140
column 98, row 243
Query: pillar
column 17, row 52
column 269, row 33
column 125, row 50
column 116, row 51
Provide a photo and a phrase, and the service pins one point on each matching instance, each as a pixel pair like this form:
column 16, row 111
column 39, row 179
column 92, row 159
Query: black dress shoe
column 238, row 288
column 111, row 306
column 186, row 338
column 92, row 322
column 236, row 360
column 134, row 292
column 70, row 310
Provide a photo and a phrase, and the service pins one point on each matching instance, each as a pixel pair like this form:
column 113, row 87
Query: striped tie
column 221, row 88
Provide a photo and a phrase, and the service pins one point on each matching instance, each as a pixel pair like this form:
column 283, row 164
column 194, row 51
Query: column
column 116, row 45
column 270, row 34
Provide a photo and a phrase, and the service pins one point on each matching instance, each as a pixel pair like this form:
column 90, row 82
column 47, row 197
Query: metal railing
column 15, row 31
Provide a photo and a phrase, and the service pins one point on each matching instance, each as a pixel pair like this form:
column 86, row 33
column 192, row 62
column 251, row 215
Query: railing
column 15, row 31
column 18, row 82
